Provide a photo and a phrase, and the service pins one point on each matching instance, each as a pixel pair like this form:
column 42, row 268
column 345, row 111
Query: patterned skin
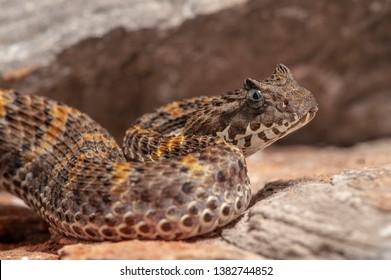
column 182, row 171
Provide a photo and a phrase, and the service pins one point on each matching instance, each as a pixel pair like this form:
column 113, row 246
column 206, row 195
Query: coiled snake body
column 181, row 172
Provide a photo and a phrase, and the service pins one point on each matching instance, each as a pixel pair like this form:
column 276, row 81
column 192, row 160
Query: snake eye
column 256, row 95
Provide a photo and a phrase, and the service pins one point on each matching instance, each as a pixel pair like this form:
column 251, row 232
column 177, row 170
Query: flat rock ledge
column 346, row 217
column 308, row 203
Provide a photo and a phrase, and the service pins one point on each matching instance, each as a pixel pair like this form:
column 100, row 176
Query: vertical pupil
column 255, row 95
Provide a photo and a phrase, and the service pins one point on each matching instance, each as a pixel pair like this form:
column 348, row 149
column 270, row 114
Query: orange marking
column 53, row 131
column 76, row 168
column 120, row 177
column 138, row 129
column 2, row 105
column 4, row 99
column 174, row 109
column 194, row 165
column 160, row 151
column 176, row 142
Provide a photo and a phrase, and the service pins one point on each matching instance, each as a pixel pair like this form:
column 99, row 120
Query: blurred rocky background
column 116, row 60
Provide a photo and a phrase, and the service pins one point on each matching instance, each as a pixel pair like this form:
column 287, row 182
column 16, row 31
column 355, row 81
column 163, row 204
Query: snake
column 180, row 173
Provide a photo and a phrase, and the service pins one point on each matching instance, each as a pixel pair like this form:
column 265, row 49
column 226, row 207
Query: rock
column 24, row 253
column 337, row 50
column 65, row 24
column 293, row 162
column 18, row 223
column 301, row 209
column 156, row 250
column 346, row 217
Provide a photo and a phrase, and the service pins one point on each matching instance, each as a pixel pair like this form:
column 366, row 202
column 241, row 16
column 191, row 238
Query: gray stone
column 346, row 217
column 32, row 33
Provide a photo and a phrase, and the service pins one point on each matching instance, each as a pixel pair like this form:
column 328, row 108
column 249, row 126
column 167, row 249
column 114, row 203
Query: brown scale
column 185, row 174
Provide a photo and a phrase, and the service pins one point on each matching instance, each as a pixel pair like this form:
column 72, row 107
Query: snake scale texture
column 181, row 171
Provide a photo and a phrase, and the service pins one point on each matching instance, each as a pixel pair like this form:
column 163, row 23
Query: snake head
column 257, row 115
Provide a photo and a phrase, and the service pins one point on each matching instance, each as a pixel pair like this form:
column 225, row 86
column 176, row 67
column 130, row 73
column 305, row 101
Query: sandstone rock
column 293, row 162
column 146, row 250
column 24, row 253
column 346, row 217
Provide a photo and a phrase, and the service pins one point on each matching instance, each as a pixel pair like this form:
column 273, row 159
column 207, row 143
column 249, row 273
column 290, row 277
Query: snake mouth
column 303, row 120
column 269, row 136
column 307, row 117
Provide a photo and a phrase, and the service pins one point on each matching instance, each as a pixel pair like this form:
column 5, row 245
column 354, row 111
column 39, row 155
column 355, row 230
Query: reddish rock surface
column 147, row 250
